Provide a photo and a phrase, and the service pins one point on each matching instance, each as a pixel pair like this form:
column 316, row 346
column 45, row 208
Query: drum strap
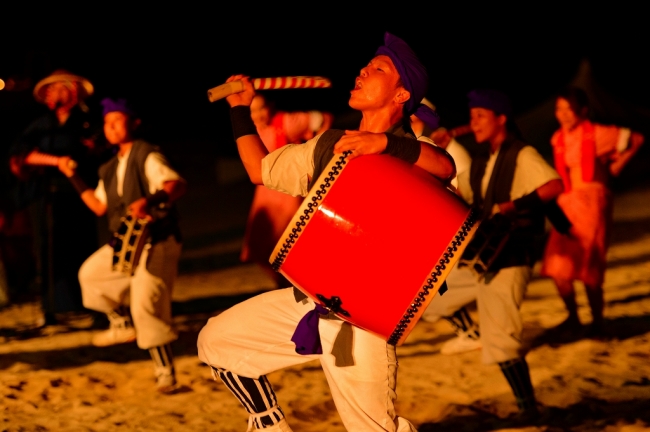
column 325, row 148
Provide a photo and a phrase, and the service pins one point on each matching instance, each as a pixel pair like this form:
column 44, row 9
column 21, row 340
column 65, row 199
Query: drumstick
column 460, row 130
column 46, row 159
column 291, row 82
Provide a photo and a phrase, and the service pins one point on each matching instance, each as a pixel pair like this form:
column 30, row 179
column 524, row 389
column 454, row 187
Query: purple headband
column 412, row 72
column 490, row 99
column 120, row 105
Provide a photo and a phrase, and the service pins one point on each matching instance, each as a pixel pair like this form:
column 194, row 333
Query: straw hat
column 85, row 87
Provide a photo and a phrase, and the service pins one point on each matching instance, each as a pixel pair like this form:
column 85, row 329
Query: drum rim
column 295, row 227
column 436, row 278
column 128, row 266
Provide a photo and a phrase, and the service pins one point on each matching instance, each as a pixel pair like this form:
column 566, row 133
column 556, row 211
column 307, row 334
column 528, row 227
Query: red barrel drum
column 374, row 241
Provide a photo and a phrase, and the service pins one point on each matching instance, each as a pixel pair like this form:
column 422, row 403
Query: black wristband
column 79, row 185
column 407, row 149
column 532, row 201
column 242, row 123
column 159, row 197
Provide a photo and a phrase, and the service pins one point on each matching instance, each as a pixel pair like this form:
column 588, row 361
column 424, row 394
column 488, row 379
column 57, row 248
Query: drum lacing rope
column 433, row 279
column 335, row 170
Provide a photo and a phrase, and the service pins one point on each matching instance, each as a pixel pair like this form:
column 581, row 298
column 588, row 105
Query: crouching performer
column 248, row 341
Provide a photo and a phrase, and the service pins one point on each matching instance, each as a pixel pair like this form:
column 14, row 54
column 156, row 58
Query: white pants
column 253, row 339
column 498, row 301
column 149, row 289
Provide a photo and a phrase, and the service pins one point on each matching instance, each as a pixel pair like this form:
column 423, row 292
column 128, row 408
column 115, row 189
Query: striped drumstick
column 291, row 82
column 460, row 130
column 46, row 159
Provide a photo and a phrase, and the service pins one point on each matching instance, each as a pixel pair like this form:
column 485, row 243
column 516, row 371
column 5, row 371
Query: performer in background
column 139, row 181
column 250, row 340
column 443, row 139
column 510, row 179
column 66, row 129
column 271, row 210
column 586, row 156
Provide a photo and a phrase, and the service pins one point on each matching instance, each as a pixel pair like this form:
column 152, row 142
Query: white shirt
column 156, row 170
column 461, row 158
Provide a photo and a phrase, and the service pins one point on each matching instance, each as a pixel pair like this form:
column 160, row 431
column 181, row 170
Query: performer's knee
column 210, row 341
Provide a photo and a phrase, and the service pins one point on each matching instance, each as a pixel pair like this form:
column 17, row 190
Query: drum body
column 128, row 243
column 373, row 242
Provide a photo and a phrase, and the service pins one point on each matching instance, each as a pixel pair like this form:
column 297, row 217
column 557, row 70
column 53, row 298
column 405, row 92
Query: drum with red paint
column 373, row 242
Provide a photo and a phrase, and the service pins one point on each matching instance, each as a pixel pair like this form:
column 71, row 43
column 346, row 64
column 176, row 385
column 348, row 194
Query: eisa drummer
column 266, row 333
column 139, row 181
column 509, row 178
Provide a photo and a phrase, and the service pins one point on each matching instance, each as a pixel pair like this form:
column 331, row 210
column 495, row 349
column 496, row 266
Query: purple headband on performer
column 413, row 74
column 121, row 105
column 490, row 99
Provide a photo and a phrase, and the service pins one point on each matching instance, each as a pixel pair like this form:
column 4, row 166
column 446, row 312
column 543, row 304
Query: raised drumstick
column 46, row 159
column 292, row 82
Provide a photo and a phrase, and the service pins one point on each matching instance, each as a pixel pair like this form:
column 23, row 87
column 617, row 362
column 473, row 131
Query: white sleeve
column 531, row 172
column 158, row 171
column 289, row 168
column 100, row 192
column 623, row 139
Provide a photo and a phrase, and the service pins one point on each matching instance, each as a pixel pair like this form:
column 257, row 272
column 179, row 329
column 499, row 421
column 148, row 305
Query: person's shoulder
column 146, row 146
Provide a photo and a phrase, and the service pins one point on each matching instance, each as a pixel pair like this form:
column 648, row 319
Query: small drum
column 487, row 243
column 128, row 242
column 373, row 242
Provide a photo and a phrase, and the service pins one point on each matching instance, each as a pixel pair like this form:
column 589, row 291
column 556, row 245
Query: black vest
column 136, row 186
column 528, row 227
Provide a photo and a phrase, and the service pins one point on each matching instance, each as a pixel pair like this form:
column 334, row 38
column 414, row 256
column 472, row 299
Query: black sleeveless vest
column 136, row 186
column 528, row 227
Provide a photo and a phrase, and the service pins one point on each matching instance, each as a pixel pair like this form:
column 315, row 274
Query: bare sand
column 54, row 380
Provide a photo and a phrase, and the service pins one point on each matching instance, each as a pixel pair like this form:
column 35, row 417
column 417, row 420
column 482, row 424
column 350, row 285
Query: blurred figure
column 586, row 155
column 66, row 230
column 17, row 261
column 138, row 181
column 442, row 138
column 271, row 211
column 508, row 181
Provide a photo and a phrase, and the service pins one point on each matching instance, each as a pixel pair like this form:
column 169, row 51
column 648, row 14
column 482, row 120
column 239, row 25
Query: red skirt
column 581, row 256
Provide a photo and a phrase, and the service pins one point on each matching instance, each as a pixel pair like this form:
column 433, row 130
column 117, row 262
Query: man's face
column 565, row 115
column 260, row 112
column 485, row 123
column 376, row 85
column 118, row 127
column 60, row 94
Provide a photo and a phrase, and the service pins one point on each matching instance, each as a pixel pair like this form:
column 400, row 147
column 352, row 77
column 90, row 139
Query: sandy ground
column 54, row 380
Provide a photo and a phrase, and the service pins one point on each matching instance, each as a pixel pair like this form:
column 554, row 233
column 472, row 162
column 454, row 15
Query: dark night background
column 166, row 58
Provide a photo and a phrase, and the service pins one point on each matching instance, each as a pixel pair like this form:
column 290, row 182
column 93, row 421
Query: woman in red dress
column 586, row 156
column 271, row 211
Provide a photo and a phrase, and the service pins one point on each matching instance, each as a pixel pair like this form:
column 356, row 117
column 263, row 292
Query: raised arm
column 250, row 146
